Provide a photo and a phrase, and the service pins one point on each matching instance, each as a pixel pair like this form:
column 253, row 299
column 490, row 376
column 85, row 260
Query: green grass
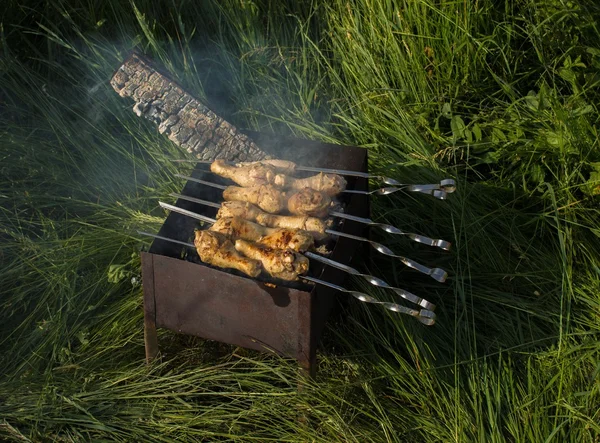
column 501, row 96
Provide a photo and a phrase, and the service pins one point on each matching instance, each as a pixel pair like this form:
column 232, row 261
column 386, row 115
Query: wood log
column 183, row 118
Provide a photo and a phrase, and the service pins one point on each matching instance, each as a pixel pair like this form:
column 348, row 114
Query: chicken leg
column 248, row 211
column 282, row 166
column 309, row 202
column 303, row 202
column 330, row 184
column 280, row 238
column 217, row 250
column 252, row 174
column 279, row 263
column 265, row 197
column 263, row 173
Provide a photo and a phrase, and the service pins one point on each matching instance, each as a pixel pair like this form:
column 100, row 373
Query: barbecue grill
column 187, row 296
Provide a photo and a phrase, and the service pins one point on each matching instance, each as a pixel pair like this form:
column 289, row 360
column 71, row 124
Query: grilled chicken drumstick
column 330, row 184
column 265, row 197
column 305, row 202
column 281, row 166
column 279, row 238
column 262, row 173
column 251, row 258
column 253, row 174
column 216, row 249
column 279, row 263
column 248, row 211
column 309, row 202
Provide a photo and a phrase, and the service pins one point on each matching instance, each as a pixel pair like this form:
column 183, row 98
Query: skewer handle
column 443, row 244
column 437, row 274
column 374, row 281
column 424, row 189
column 424, row 316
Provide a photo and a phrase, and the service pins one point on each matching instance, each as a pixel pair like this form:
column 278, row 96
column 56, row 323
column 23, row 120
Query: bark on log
column 185, row 120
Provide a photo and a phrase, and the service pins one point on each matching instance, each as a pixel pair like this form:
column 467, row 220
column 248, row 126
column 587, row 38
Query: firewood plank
column 181, row 117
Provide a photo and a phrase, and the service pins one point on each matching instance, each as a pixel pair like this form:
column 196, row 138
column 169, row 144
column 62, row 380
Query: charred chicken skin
column 238, row 228
column 284, row 264
column 309, row 202
column 263, row 173
column 315, row 226
column 217, row 250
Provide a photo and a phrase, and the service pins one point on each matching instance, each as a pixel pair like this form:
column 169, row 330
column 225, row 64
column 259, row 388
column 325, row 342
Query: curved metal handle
column 424, row 316
column 438, row 190
column 441, row 195
column 373, row 280
column 447, row 185
column 437, row 274
column 443, row 244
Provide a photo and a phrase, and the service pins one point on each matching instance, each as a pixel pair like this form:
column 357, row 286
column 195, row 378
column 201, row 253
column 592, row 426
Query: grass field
column 502, row 96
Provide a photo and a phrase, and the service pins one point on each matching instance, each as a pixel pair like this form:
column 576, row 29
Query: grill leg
column 308, row 364
column 150, row 337
column 312, row 363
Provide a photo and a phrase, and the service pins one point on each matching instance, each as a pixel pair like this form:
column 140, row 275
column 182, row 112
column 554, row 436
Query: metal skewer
column 443, row 244
column 202, row 182
column 447, row 185
column 424, row 316
column 437, row 190
column 187, row 213
column 437, row 274
column 433, row 189
column 391, row 229
column 160, row 237
column 196, row 200
column 373, row 280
